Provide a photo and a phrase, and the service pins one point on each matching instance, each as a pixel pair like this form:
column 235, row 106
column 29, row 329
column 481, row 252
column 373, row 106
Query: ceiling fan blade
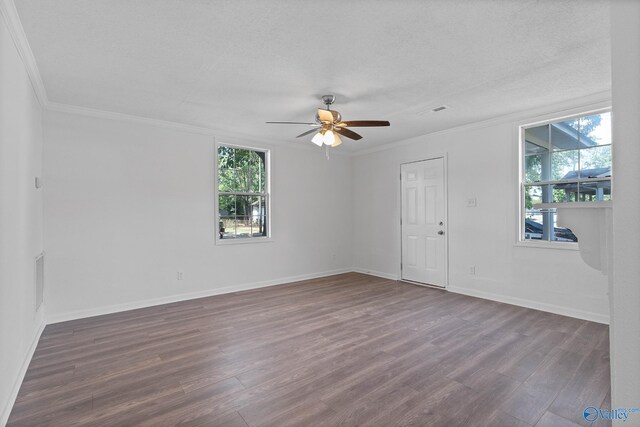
column 325, row 115
column 308, row 132
column 364, row 123
column 348, row 133
column 291, row 123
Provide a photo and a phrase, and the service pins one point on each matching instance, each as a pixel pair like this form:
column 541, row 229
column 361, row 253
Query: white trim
column 445, row 164
column 546, row 244
column 6, row 411
column 81, row 314
column 600, row 100
column 242, row 240
column 520, row 302
column 216, row 192
column 519, row 129
column 111, row 115
column 99, row 311
column 14, row 26
column 182, row 127
column 574, row 113
column 424, row 285
column 605, row 204
column 376, row 273
column 551, row 308
column 16, row 31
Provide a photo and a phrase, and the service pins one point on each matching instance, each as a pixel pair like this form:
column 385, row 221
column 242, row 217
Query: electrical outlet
column 180, row 275
column 472, row 270
column 472, row 202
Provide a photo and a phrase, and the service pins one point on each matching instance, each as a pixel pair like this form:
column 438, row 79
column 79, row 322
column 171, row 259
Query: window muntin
column 563, row 161
column 243, row 193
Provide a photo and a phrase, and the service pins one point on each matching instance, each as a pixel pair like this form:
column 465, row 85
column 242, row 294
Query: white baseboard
column 6, row 411
column 98, row 311
column 556, row 309
column 4, row 416
column 376, row 273
column 80, row 314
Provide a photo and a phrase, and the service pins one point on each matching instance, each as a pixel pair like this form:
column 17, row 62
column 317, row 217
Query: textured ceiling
column 232, row 65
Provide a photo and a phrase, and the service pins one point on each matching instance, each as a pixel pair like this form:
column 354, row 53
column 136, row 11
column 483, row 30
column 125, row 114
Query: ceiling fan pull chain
column 326, row 150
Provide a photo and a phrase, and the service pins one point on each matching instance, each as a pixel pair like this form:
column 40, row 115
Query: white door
column 424, row 242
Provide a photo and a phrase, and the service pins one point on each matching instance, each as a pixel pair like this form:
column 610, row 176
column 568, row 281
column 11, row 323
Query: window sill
column 565, row 246
column 245, row 241
column 574, row 205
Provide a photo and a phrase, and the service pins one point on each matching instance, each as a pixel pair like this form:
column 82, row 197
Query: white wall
column 482, row 163
column 20, row 219
column 127, row 205
column 625, row 286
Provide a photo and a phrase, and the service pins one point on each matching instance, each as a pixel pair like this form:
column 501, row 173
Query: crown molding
column 14, row 26
column 216, row 134
column 111, row 115
column 594, row 101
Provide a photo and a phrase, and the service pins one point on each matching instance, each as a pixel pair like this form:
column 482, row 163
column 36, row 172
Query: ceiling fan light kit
column 328, row 125
column 318, row 139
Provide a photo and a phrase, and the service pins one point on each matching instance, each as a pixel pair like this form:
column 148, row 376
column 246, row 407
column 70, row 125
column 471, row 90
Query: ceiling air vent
column 431, row 110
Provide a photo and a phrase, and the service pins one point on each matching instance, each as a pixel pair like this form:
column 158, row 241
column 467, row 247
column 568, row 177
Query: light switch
column 472, row 202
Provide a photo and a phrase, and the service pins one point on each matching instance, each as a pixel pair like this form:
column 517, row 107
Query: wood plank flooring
column 344, row 350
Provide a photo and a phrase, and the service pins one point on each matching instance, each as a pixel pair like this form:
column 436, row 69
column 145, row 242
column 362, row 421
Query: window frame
column 548, row 119
column 267, row 195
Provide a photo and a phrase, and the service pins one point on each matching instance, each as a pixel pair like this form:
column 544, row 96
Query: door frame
column 445, row 162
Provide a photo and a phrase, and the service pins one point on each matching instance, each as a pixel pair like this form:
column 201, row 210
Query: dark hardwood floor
column 343, row 350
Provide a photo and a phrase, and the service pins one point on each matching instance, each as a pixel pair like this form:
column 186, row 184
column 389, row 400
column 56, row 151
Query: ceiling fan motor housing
column 337, row 118
column 328, row 100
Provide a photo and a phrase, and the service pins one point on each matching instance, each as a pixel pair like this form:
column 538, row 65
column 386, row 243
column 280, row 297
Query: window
column 243, row 193
column 563, row 161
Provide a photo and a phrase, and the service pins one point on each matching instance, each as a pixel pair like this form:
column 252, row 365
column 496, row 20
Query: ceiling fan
column 329, row 125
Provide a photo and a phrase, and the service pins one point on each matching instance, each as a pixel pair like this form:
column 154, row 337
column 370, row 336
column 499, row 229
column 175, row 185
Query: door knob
column 441, row 232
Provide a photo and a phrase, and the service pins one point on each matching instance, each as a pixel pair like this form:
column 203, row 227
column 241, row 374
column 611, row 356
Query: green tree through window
column 242, row 192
